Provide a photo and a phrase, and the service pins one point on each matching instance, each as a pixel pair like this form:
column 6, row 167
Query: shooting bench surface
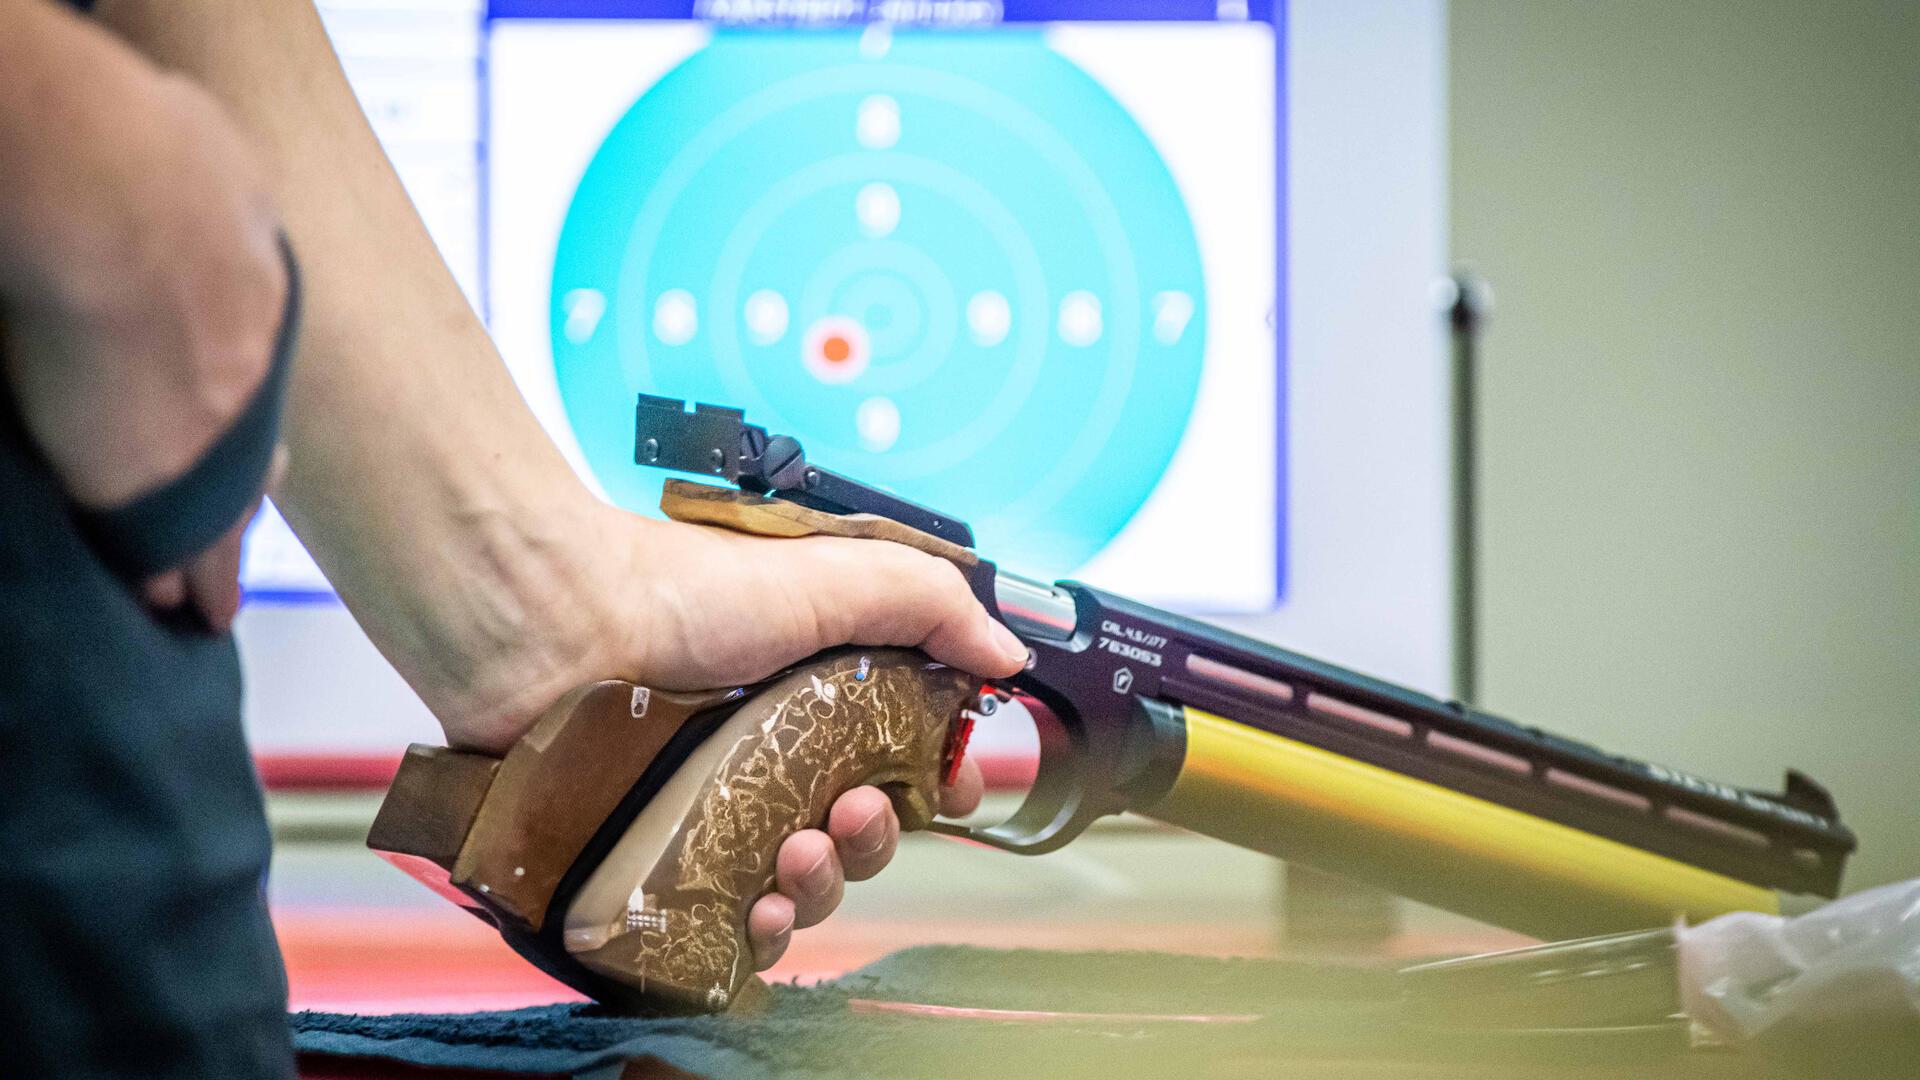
column 1010, row 1014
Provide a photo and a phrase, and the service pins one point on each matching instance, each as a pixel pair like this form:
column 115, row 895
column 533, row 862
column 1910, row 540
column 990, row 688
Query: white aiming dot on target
column 877, row 124
column 675, row 317
column 989, row 317
column 1080, row 318
column 766, row 315
column 877, row 421
column 583, row 307
column 878, row 208
column 835, row 349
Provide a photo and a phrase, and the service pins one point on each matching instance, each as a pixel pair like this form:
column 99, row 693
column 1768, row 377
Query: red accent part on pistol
column 958, row 733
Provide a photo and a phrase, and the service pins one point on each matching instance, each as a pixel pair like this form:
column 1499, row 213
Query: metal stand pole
column 1471, row 303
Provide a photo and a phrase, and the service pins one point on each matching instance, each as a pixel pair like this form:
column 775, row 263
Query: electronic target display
column 1021, row 269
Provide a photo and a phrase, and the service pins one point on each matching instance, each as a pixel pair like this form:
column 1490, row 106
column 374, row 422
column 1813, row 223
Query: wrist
column 518, row 619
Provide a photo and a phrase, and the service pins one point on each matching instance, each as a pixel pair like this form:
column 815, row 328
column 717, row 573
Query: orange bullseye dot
column 835, row 349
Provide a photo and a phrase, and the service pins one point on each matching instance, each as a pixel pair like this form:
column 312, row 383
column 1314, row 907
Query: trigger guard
column 1089, row 768
column 1049, row 816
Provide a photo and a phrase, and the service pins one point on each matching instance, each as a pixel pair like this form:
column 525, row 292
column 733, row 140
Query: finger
column 213, row 581
column 865, row 832
column 962, row 797
column 165, row 591
column 864, row 592
column 769, row 929
column 808, row 872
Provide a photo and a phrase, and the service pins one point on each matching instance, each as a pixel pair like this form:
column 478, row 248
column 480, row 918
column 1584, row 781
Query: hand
column 813, row 866
column 207, row 589
column 714, row 608
column 685, row 607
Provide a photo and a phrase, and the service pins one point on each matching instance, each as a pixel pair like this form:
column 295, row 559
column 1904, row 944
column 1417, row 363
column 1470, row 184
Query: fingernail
column 818, row 878
column 776, row 946
column 868, row 838
column 1011, row 646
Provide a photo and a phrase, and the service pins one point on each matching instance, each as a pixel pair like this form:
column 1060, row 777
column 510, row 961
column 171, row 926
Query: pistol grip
column 665, row 910
column 669, row 850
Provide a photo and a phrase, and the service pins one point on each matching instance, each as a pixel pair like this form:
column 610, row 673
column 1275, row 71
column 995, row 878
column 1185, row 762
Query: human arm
column 451, row 526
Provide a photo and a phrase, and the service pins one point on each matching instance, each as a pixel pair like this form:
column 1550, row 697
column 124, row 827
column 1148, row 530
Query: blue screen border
column 898, row 12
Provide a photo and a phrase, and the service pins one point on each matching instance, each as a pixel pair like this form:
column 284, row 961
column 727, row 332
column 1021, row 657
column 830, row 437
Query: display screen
column 1017, row 265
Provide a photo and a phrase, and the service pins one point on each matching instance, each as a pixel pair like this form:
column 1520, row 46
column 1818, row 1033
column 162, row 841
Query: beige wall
column 1702, row 384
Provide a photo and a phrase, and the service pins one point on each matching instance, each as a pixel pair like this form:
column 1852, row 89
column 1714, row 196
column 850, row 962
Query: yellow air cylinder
column 1431, row 843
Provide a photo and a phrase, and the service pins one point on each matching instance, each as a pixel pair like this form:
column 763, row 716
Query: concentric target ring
column 996, row 411
column 935, row 288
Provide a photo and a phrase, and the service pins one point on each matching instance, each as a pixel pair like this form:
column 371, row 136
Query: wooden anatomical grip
column 758, row 515
column 497, row 835
column 666, row 909
column 655, row 913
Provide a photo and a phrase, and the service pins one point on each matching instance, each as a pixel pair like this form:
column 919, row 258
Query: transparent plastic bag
column 1834, row 992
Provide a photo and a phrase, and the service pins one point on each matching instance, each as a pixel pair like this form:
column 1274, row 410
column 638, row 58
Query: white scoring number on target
column 1171, row 313
column 583, row 308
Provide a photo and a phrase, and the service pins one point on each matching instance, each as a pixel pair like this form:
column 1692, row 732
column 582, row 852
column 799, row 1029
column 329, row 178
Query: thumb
column 871, row 592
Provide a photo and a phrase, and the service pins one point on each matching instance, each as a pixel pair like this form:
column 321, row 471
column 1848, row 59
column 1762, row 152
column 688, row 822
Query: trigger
column 956, row 752
column 961, row 730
